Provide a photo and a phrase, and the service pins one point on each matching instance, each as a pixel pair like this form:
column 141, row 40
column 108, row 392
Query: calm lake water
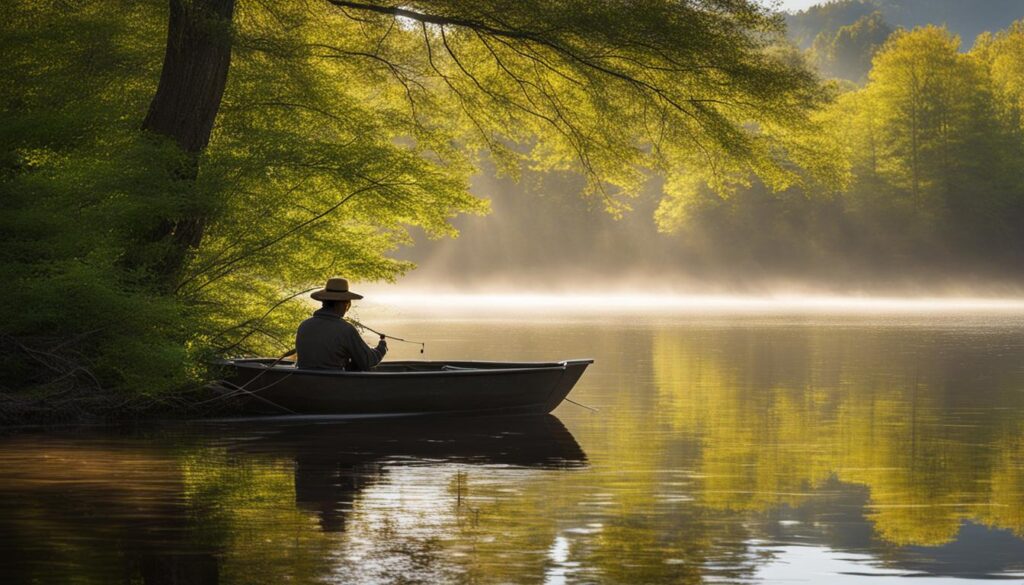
column 730, row 447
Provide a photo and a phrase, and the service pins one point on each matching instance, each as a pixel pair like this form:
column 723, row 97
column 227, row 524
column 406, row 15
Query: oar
column 423, row 346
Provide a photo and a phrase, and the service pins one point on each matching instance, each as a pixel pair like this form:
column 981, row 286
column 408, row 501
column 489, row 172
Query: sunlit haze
column 793, row 5
column 589, row 302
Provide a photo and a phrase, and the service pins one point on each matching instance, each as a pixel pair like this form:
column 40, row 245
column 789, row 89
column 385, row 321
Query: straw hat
column 336, row 290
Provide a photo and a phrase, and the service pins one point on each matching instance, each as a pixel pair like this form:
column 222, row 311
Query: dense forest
column 176, row 174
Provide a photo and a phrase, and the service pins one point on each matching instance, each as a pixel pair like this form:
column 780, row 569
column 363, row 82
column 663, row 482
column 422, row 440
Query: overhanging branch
column 441, row 20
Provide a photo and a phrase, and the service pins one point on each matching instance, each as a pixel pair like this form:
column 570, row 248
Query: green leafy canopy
column 343, row 124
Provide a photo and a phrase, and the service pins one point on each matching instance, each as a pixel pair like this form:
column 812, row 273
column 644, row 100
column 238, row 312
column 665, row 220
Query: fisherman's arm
column 364, row 356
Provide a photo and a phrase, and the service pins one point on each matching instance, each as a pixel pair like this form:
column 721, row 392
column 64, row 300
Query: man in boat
column 326, row 341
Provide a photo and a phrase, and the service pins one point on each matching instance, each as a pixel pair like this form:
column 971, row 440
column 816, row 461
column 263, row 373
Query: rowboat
column 401, row 388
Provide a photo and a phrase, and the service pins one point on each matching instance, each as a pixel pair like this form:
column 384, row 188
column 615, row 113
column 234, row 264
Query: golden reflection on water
column 936, row 439
column 894, row 446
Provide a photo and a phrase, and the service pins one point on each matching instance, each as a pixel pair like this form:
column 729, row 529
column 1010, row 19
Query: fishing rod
column 423, row 346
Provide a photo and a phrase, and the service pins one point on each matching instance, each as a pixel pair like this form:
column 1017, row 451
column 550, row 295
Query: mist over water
column 544, row 237
column 528, row 305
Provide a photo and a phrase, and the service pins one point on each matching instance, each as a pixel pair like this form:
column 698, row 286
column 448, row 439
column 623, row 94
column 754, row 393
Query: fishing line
column 423, row 346
column 590, row 408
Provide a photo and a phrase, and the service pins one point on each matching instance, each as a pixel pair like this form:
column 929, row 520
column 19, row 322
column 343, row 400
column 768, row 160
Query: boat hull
column 403, row 388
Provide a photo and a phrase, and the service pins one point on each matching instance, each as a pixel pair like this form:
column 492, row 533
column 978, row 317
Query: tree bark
column 195, row 72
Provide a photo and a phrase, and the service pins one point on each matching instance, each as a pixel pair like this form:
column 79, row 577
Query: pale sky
column 798, row 4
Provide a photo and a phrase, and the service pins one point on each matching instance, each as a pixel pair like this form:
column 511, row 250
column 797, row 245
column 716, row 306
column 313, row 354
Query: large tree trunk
column 195, row 71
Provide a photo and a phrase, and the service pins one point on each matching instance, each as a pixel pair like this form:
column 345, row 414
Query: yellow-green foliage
column 339, row 129
column 919, row 170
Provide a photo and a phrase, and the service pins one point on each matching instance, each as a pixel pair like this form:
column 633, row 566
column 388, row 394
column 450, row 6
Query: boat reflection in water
column 335, row 462
column 214, row 502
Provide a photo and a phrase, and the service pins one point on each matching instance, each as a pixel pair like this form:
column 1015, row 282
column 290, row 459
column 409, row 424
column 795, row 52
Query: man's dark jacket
column 327, row 342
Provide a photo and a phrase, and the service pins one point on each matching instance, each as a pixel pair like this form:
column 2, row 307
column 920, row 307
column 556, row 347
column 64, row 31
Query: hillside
column 965, row 18
column 842, row 36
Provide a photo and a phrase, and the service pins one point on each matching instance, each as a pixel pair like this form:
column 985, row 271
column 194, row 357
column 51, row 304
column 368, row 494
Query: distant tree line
column 847, row 53
column 966, row 19
column 924, row 193
column 932, row 149
column 842, row 36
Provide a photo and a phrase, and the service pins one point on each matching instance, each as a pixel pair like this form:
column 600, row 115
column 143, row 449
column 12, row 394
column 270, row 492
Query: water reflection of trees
column 93, row 509
column 251, row 504
column 927, row 420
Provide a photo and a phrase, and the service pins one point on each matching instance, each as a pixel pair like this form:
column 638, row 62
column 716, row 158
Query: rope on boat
column 423, row 346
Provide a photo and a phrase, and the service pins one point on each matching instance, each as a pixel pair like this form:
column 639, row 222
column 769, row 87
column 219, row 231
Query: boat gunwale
column 257, row 365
